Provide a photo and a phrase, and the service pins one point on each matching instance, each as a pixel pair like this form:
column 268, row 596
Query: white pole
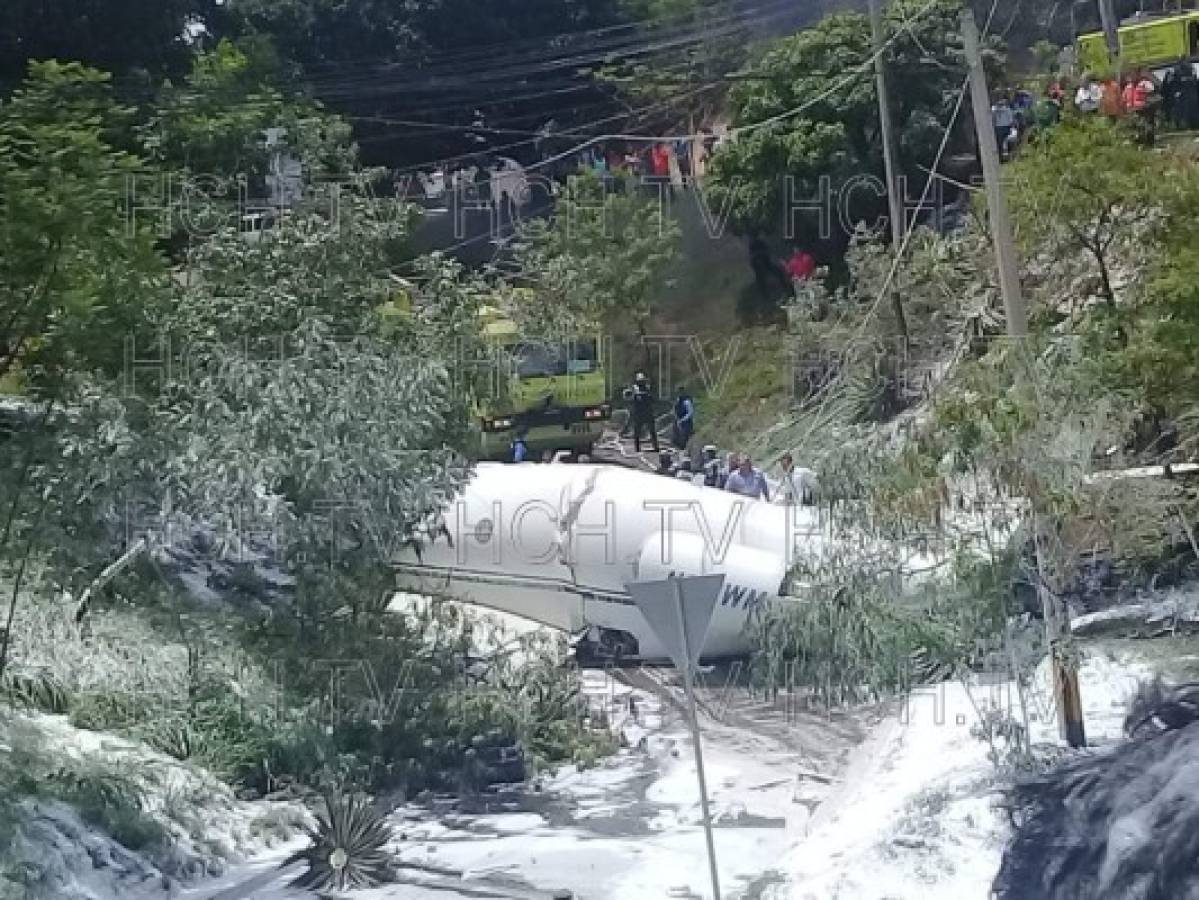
column 699, row 755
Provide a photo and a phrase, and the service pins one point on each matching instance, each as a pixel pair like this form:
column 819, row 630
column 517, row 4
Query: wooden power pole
column 1057, row 622
column 894, row 201
column 890, row 165
column 1111, row 32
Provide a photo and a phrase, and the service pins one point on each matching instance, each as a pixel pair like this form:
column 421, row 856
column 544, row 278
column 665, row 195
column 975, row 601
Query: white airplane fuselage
column 559, row 544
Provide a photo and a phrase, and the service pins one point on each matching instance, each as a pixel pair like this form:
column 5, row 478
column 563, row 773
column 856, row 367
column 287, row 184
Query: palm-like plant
column 349, row 847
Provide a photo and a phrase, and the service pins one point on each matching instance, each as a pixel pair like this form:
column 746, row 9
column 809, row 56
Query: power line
column 702, row 29
column 370, row 86
column 672, row 22
column 856, row 72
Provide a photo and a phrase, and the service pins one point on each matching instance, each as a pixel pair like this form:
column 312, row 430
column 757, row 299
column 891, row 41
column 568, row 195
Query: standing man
column 748, row 481
column 642, row 401
column 1003, row 118
column 767, row 272
column 711, row 466
column 684, row 418
column 1089, row 96
column 520, row 450
column 797, row 486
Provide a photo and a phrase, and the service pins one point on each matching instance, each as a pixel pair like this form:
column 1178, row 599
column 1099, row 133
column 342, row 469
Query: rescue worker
column 684, row 418
column 642, row 403
column 520, row 449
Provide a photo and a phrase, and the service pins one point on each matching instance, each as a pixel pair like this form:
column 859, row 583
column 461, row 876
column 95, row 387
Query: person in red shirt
column 1132, row 99
column 801, row 266
column 1141, row 99
column 661, row 161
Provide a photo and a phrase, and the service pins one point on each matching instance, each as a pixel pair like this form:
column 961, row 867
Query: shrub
column 854, row 638
column 112, row 803
column 349, row 847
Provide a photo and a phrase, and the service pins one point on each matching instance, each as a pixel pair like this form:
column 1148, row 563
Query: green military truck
column 556, row 394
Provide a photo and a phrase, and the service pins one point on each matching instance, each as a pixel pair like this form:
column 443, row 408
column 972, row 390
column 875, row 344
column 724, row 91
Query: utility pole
column 1057, row 619
column 1111, row 31
column 1111, row 26
column 988, row 153
column 890, row 166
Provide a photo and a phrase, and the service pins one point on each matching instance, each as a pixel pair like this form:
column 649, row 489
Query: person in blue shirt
column 684, row 418
column 520, row 450
column 748, row 481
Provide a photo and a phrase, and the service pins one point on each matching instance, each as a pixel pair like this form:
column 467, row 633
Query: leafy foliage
column 315, row 32
column 827, row 125
column 40, row 690
column 125, row 37
column 75, row 277
column 1086, row 188
column 214, row 124
column 349, row 847
column 599, row 261
column 860, row 635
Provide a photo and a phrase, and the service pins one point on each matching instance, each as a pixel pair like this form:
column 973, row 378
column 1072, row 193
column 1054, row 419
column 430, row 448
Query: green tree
column 215, row 123
column 1085, row 188
column 300, row 403
column 76, row 273
column 119, row 36
column 319, row 32
column 825, row 117
column 1163, row 328
column 600, row 261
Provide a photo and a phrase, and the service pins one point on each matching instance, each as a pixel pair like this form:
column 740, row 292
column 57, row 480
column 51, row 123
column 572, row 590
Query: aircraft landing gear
column 603, row 647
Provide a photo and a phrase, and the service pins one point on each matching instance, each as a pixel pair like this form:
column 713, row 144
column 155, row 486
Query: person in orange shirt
column 1110, row 103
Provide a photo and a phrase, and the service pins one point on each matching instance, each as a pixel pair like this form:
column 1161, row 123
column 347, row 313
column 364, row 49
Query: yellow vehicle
column 554, row 394
column 1147, row 43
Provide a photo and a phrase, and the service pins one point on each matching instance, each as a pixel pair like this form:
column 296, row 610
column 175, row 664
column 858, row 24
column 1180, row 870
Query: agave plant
column 349, row 847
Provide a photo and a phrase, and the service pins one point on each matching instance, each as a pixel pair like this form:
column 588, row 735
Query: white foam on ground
column 917, row 819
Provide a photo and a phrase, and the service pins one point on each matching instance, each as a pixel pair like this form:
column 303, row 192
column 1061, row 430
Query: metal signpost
column 679, row 611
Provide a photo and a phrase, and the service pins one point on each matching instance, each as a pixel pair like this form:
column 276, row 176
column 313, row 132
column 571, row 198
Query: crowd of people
column 1139, row 97
column 482, row 177
column 1141, row 94
column 674, row 162
column 790, row 484
column 1017, row 114
column 736, row 473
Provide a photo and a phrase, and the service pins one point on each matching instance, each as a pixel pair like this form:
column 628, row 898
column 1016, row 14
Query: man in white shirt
column 797, row 486
column 1089, row 94
column 1004, row 119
